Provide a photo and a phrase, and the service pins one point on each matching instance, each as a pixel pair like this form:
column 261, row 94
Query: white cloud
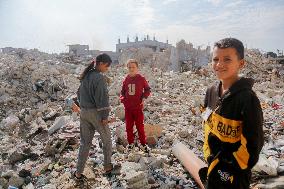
column 256, row 25
column 50, row 25
column 141, row 14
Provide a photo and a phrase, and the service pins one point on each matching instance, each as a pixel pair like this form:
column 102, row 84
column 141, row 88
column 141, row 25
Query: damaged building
column 155, row 45
column 159, row 54
column 185, row 57
column 78, row 50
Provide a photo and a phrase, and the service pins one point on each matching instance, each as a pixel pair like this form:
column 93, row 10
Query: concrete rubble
column 39, row 135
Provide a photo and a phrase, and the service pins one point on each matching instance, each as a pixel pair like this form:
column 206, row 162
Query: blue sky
column 50, row 25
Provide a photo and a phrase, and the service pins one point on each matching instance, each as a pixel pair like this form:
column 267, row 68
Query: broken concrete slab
column 59, row 123
column 153, row 130
column 16, row 181
column 49, row 186
column 134, row 177
column 140, row 184
column 129, row 166
column 161, row 151
column 151, row 141
column 3, row 182
column 144, row 162
column 183, row 133
column 268, row 165
column 157, row 163
column 10, row 121
column 55, row 146
column 273, row 183
column 29, row 186
column 152, row 133
column 119, row 112
column 136, row 180
column 134, row 157
column 16, row 156
column 121, row 135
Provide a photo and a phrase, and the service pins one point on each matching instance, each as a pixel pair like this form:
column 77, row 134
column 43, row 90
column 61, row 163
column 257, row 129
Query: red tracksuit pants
column 135, row 116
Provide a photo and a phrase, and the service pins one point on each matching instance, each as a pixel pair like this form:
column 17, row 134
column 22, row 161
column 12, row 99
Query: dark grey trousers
column 90, row 122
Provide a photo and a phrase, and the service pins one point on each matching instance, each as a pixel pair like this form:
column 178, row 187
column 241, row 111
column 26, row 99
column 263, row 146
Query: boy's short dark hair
column 231, row 43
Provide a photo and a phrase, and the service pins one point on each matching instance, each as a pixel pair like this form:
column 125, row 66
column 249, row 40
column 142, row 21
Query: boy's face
column 132, row 68
column 226, row 63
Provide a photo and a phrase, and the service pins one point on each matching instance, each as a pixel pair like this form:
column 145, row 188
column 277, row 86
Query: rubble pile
column 258, row 64
column 26, row 84
column 39, row 137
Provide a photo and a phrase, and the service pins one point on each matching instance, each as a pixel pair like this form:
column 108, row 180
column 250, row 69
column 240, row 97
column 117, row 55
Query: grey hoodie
column 93, row 93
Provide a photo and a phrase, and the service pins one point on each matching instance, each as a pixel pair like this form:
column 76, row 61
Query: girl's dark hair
column 231, row 43
column 103, row 57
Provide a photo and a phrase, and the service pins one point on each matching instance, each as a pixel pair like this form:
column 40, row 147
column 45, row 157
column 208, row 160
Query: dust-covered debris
column 40, row 134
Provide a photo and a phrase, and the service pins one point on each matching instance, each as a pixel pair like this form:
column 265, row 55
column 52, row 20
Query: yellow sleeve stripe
column 206, row 149
column 242, row 155
column 212, row 165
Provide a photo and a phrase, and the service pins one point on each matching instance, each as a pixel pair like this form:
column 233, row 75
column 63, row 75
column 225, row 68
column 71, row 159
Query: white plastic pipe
column 189, row 160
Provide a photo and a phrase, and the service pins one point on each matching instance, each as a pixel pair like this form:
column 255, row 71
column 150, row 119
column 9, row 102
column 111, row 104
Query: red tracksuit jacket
column 133, row 90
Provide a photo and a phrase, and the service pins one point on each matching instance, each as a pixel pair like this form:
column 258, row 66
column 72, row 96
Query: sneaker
column 130, row 148
column 145, row 148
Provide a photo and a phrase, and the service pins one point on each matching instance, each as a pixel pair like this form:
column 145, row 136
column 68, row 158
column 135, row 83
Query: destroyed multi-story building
column 183, row 57
column 186, row 57
column 8, row 50
column 78, row 50
column 114, row 55
column 83, row 50
column 155, row 45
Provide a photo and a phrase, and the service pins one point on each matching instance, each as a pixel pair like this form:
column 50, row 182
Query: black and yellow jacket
column 233, row 132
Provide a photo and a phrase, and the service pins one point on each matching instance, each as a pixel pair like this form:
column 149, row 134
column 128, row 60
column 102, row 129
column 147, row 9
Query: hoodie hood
column 241, row 84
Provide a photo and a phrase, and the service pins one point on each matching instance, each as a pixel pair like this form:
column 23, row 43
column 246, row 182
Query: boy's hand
column 143, row 100
column 104, row 122
column 122, row 99
column 75, row 108
column 142, row 103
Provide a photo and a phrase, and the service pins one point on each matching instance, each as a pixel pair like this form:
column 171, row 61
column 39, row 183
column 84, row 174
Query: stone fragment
column 119, row 112
column 59, row 122
column 16, row 181
column 269, row 165
column 152, row 140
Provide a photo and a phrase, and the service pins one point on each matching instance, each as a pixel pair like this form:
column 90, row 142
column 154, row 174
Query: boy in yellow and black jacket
column 232, row 121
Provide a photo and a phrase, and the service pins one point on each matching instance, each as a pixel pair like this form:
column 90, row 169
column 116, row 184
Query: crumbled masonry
column 39, row 133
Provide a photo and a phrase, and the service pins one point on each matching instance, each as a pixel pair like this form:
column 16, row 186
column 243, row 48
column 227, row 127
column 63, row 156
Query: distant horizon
column 50, row 25
column 194, row 45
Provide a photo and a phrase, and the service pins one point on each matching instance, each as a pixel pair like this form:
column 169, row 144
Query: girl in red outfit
column 134, row 90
